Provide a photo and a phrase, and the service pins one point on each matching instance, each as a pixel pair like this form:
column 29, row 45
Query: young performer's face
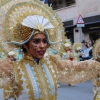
column 37, row 45
column 11, row 57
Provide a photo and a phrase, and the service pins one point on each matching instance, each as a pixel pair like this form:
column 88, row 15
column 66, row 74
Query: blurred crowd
column 87, row 49
column 79, row 51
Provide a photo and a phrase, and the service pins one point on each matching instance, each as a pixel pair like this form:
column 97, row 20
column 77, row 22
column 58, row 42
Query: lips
column 41, row 52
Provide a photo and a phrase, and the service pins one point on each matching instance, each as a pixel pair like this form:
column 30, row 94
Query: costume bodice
column 39, row 81
column 36, row 81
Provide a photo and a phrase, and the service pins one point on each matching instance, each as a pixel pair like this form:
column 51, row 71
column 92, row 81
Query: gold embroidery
column 20, row 65
column 29, row 60
column 18, row 78
column 40, row 27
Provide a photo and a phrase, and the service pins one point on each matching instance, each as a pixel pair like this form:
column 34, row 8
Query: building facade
column 70, row 10
column 90, row 12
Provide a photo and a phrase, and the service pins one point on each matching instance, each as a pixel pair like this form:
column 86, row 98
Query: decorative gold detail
column 27, row 59
column 40, row 27
column 18, row 79
column 19, row 10
column 75, row 72
column 25, row 32
column 96, row 50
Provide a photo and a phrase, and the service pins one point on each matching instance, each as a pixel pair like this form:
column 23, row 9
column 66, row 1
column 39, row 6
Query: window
column 57, row 4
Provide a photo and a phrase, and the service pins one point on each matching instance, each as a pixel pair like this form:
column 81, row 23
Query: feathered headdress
column 77, row 46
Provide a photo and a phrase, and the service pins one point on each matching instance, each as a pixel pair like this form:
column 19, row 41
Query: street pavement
column 83, row 91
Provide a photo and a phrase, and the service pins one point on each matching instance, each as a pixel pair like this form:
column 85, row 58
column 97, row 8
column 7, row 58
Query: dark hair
column 24, row 49
column 83, row 41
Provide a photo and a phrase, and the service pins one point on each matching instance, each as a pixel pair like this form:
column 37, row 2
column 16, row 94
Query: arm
column 76, row 72
column 78, row 66
column 6, row 73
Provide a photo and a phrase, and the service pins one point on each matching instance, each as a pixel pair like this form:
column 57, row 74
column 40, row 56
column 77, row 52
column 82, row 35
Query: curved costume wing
column 96, row 82
column 6, row 68
column 7, row 77
column 6, row 73
column 96, row 50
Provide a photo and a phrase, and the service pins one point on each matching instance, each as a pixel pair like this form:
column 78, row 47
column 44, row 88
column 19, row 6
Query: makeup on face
column 37, row 41
column 37, row 45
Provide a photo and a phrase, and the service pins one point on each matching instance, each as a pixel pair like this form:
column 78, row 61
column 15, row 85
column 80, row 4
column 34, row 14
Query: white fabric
column 11, row 53
column 34, row 21
column 67, row 44
column 34, row 80
column 86, row 52
column 78, row 48
column 46, row 55
column 24, row 95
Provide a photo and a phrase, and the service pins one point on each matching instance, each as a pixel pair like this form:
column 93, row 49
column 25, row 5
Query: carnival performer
column 11, row 56
column 67, row 54
column 33, row 26
column 77, row 47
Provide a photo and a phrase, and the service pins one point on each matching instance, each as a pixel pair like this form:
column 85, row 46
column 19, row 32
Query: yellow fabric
column 69, row 72
column 96, row 50
column 9, row 92
column 97, row 89
column 77, row 44
column 97, row 96
column 76, row 56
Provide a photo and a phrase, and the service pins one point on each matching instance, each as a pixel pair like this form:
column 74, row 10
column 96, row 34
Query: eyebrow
column 37, row 39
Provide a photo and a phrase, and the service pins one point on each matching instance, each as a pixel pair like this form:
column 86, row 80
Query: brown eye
column 36, row 41
column 45, row 41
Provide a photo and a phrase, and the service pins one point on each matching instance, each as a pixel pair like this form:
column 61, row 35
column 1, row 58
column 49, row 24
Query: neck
column 37, row 60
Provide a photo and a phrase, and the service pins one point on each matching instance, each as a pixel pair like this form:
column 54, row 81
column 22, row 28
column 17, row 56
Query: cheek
column 32, row 48
column 46, row 46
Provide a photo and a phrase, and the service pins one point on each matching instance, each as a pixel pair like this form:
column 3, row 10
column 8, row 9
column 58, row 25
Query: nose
column 42, row 45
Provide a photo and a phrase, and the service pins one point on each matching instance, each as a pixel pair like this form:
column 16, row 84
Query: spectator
column 86, row 52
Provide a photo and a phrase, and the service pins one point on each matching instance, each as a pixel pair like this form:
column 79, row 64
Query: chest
column 37, row 82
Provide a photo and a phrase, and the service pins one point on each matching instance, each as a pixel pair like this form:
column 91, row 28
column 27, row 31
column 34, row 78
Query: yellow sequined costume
column 67, row 54
column 26, row 77
column 31, row 81
column 96, row 82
